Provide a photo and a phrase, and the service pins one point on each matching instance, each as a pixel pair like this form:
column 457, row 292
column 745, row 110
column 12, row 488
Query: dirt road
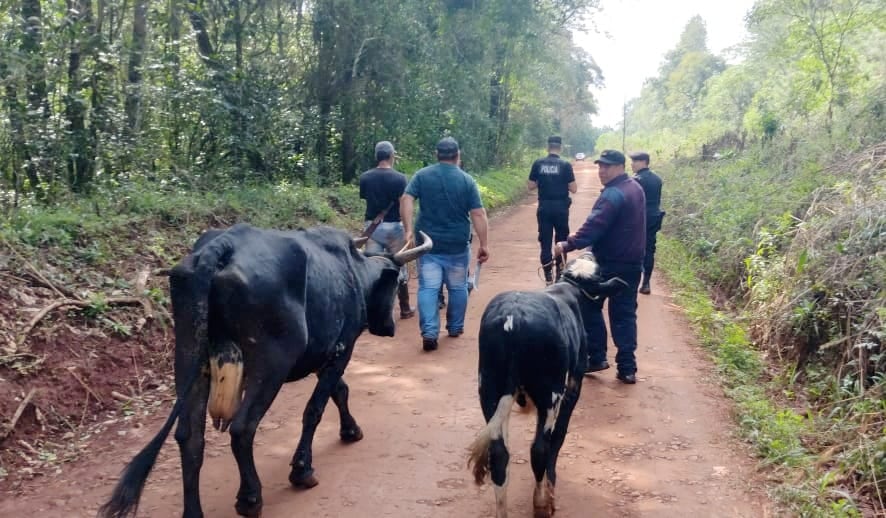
column 660, row 448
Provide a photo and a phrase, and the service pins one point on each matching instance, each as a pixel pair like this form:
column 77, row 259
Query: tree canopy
column 189, row 92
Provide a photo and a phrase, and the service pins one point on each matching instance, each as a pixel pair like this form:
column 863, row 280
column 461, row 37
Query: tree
column 818, row 37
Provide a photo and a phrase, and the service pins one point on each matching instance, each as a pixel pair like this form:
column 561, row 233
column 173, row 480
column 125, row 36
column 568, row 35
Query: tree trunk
column 348, row 141
column 204, row 45
column 16, row 124
column 322, row 147
column 31, row 45
column 37, row 112
column 172, row 53
column 102, row 80
column 136, row 58
column 79, row 159
column 238, row 114
column 497, row 106
column 322, row 84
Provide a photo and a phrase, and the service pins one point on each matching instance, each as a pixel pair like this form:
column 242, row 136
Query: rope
column 583, row 292
column 550, row 264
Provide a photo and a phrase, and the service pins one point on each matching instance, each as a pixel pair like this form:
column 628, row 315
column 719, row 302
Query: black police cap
column 611, row 157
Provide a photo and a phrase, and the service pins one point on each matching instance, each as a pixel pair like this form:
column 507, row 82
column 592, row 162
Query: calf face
column 584, row 272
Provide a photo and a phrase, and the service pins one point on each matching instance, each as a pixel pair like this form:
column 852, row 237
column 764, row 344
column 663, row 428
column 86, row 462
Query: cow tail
column 495, row 429
column 124, row 500
column 127, row 493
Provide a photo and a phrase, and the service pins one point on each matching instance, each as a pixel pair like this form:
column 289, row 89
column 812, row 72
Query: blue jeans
column 389, row 237
column 435, row 270
column 622, row 322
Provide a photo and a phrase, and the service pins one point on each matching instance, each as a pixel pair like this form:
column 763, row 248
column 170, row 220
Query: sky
column 632, row 37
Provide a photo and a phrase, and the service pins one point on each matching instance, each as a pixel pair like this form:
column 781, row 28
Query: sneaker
column 596, row 367
column 644, row 289
column 455, row 333
column 407, row 313
column 429, row 344
column 628, row 379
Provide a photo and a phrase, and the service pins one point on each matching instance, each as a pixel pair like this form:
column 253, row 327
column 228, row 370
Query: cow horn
column 360, row 241
column 404, row 256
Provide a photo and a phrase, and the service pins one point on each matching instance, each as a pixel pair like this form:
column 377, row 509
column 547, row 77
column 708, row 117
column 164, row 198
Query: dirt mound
column 74, row 365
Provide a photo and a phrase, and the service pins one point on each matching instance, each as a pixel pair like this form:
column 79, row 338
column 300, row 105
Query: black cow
column 533, row 346
column 254, row 309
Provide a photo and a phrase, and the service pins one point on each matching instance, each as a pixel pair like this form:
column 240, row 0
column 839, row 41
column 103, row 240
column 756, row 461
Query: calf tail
column 124, row 500
column 495, row 429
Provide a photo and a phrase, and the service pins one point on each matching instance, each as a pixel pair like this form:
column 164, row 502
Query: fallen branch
column 87, row 387
column 121, row 397
column 13, row 277
column 35, row 274
column 80, row 304
column 17, row 415
column 30, row 448
column 141, row 281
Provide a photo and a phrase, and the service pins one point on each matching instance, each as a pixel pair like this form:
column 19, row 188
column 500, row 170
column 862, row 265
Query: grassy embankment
column 780, row 265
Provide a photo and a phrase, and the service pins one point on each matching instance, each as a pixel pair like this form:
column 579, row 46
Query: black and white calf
column 533, row 346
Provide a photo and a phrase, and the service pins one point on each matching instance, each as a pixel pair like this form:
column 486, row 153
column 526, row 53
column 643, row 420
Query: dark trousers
column 622, row 309
column 649, row 259
column 553, row 224
column 652, row 229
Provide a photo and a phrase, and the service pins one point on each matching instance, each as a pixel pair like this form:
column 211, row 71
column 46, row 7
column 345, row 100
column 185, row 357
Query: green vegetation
column 775, row 175
column 104, row 97
column 96, row 231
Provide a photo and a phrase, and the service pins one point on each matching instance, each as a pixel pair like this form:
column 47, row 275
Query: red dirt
column 72, row 364
column 663, row 447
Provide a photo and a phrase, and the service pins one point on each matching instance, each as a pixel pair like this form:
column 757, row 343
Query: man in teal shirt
column 450, row 201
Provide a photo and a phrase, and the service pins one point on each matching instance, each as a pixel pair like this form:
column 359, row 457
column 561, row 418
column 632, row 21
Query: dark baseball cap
column 640, row 155
column 555, row 141
column 447, row 148
column 611, row 157
column 384, row 149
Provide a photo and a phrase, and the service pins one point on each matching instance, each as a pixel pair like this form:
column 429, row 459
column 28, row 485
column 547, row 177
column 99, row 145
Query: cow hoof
column 546, row 511
column 543, row 500
column 303, row 480
column 352, row 435
column 521, row 400
column 249, row 506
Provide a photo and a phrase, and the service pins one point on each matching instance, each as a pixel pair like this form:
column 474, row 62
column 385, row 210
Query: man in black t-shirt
column 554, row 179
column 382, row 187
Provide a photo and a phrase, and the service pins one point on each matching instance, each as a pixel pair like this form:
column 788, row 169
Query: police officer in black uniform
column 651, row 184
column 554, row 179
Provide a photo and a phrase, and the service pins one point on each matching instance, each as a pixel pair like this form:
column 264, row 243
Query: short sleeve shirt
column 446, row 195
column 382, row 188
column 553, row 175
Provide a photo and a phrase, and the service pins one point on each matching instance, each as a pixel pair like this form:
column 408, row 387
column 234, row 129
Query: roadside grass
column 787, row 437
column 163, row 218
